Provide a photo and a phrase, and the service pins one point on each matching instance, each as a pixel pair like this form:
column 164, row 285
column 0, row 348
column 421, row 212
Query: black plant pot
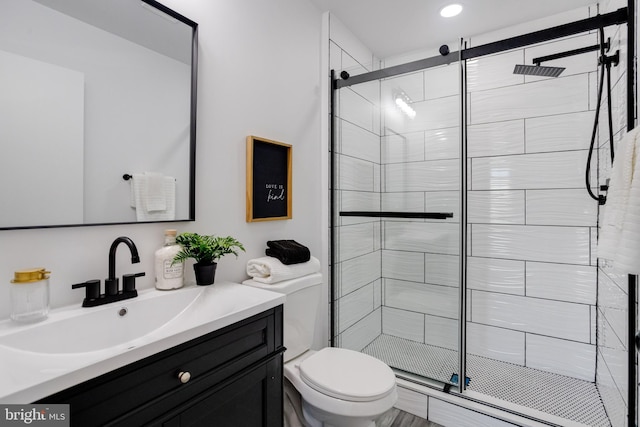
column 205, row 273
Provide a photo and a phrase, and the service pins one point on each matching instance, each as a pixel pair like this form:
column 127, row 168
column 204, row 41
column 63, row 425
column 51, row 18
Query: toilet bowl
column 338, row 387
column 341, row 388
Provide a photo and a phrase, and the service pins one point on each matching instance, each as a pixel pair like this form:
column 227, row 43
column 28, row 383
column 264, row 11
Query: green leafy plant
column 205, row 249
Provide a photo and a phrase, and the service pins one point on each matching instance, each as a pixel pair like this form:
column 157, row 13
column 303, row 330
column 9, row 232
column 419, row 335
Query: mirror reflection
column 92, row 91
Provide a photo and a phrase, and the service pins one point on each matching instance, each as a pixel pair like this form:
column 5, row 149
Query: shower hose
column 605, row 67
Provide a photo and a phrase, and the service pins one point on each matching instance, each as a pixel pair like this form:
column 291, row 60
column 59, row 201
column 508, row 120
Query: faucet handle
column 129, row 281
column 111, row 286
column 92, row 288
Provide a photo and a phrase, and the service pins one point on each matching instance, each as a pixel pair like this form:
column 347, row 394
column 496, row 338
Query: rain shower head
column 538, row 70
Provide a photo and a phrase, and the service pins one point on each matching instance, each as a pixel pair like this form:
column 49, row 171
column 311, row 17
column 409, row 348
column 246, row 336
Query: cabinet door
column 254, row 399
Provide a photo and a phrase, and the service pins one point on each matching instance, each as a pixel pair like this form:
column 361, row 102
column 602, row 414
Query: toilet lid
column 347, row 375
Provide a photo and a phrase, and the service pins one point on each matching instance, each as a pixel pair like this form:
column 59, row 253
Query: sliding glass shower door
column 396, row 225
column 463, row 238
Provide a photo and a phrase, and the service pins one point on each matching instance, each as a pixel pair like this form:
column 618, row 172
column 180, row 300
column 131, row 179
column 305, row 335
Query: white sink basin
column 75, row 344
column 91, row 329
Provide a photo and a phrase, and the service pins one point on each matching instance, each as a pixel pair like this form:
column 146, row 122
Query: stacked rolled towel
column 270, row 270
column 288, row 251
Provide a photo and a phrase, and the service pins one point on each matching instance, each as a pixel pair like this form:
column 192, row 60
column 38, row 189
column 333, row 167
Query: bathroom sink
column 93, row 329
column 75, row 344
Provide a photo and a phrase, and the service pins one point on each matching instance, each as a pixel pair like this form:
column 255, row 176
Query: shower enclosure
column 463, row 239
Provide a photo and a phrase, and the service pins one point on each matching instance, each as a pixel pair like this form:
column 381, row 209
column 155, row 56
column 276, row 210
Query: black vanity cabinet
column 230, row 377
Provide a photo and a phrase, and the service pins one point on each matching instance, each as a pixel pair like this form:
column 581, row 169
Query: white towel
column 149, row 192
column 619, row 237
column 156, row 196
column 270, row 270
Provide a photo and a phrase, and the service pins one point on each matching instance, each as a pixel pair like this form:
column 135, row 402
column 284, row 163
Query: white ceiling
column 391, row 27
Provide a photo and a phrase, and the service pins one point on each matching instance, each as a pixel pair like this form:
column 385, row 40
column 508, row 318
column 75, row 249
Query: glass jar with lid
column 30, row 295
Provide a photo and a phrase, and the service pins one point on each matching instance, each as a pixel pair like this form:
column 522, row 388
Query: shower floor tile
column 555, row 394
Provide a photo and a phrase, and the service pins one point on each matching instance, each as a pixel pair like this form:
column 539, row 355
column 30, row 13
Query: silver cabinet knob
column 184, row 377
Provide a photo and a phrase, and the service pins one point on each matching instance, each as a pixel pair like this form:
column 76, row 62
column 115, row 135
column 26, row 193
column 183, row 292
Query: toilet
column 338, row 387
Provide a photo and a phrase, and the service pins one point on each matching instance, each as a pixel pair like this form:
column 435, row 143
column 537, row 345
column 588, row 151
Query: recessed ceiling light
column 450, row 10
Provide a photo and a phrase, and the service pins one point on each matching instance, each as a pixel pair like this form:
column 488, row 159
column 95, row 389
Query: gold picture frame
column 268, row 180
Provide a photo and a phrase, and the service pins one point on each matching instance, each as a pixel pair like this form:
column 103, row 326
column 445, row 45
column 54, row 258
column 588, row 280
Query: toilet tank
column 300, row 310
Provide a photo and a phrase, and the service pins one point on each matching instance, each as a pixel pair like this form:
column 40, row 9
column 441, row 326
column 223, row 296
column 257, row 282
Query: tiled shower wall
column 532, row 275
column 357, row 181
column 531, row 264
column 612, row 285
column 421, row 173
column 532, row 271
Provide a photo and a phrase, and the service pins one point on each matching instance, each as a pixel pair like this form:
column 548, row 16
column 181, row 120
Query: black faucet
column 111, row 291
column 111, row 282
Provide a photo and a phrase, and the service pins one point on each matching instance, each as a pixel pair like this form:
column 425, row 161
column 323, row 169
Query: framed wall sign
column 268, row 180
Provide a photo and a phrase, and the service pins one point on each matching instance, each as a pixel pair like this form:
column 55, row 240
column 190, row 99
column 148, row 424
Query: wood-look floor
column 397, row 418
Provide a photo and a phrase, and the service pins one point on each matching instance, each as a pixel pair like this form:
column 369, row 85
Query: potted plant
column 205, row 250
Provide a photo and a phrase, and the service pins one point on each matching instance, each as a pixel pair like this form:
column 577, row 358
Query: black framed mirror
column 94, row 92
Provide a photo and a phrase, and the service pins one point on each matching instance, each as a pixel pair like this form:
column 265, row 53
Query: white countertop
column 31, row 375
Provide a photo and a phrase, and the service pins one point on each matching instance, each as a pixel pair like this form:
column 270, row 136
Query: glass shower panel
column 396, row 271
column 531, row 269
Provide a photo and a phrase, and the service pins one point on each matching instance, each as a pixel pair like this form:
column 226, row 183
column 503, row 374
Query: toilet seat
column 347, row 375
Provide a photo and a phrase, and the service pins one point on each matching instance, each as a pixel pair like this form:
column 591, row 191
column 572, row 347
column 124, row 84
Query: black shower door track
column 618, row 17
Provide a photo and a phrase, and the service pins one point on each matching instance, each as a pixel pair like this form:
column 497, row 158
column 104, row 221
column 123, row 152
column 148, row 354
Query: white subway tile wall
column 534, row 315
column 357, row 272
column 574, row 359
column 570, row 245
column 437, row 175
column 354, row 306
column 404, row 148
column 357, row 143
column 541, row 98
column 442, row 144
column 571, row 207
column 402, row 323
column 496, row 343
column 359, row 155
column 421, row 297
column 441, row 331
column 556, row 133
column 563, row 282
column 361, row 333
column 496, row 139
column 496, row 207
column 496, row 275
column 563, row 169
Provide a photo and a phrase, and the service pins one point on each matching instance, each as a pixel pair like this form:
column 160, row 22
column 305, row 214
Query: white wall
column 258, row 75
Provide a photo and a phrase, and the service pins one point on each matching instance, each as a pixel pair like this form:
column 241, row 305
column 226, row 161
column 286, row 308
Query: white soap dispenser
column 169, row 275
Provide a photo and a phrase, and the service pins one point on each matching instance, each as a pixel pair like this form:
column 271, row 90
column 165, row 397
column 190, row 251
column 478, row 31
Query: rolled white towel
column 270, row 270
